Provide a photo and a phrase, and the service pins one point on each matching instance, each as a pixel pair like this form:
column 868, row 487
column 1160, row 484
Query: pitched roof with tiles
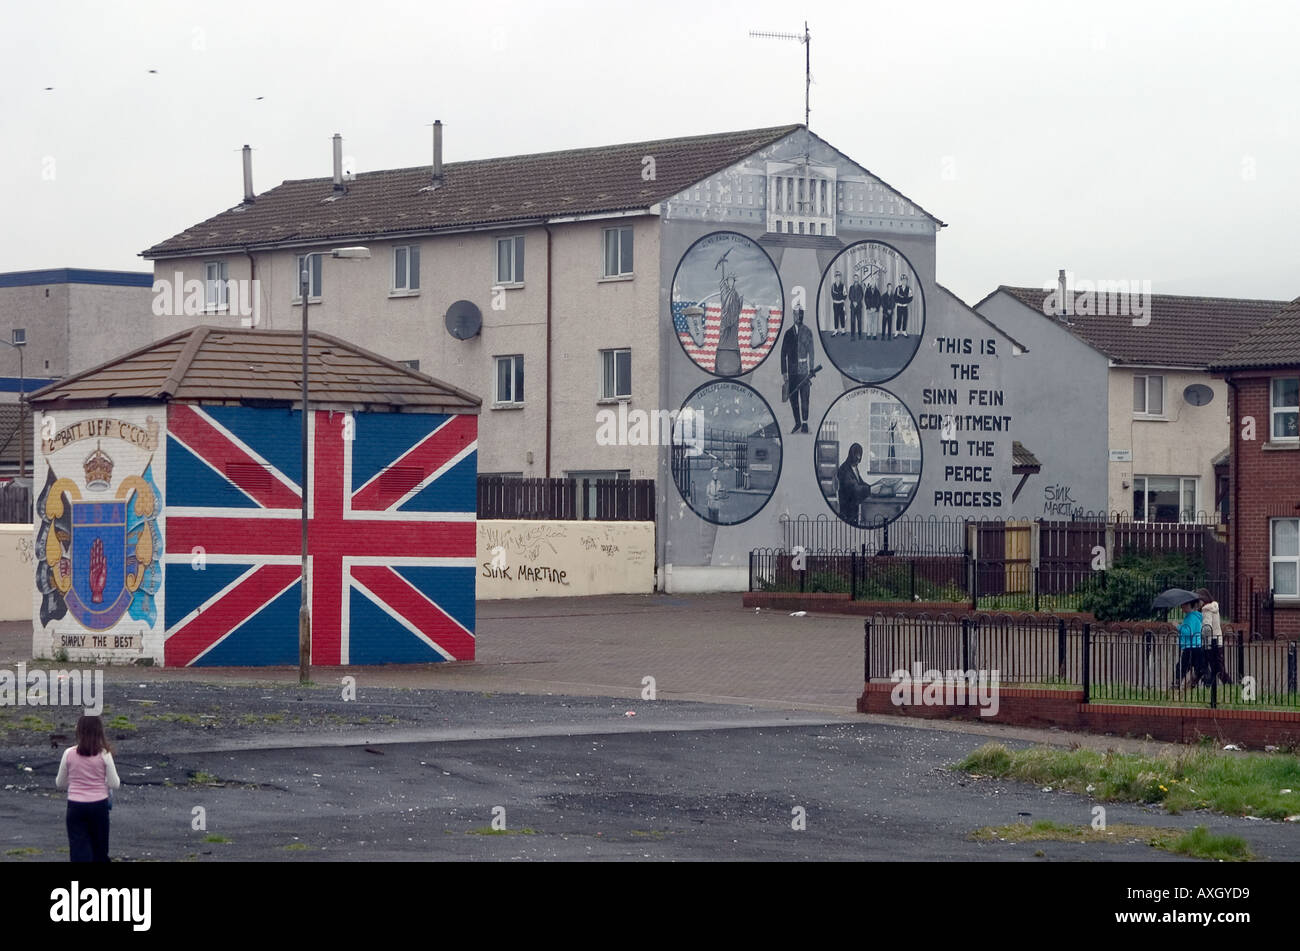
column 1276, row 343
column 482, row 192
column 220, row 364
column 1183, row 331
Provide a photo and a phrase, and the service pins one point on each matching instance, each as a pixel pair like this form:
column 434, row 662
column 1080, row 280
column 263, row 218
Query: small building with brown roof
column 171, row 490
column 1133, row 378
column 1262, row 376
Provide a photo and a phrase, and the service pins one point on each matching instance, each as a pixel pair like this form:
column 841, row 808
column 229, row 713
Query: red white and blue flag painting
column 752, row 353
column 391, row 537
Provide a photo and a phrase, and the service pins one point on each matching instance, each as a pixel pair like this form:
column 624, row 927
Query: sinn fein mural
column 870, row 312
column 726, row 303
column 728, row 466
column 868, row 457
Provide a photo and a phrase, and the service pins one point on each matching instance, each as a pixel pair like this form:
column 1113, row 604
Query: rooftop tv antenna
column 806, row 40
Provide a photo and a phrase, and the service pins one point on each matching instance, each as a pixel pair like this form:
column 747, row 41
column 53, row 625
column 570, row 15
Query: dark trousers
column 902, row 318
column 886, row 320
column 1191, row 660
column 838, row 310
column 799, row 400
column 855, row 321
column 88, row 831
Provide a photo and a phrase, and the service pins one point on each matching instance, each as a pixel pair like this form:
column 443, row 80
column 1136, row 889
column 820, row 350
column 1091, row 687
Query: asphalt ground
column 752, row 733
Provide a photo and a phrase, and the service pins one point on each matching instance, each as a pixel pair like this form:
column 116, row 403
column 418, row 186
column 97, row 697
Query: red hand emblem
column 98, row 571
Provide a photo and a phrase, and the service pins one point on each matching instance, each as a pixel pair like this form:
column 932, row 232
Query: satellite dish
column 1198, row 394
column 464, row 320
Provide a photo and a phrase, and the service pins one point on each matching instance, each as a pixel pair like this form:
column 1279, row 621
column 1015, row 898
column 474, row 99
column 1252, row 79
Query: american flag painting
column 706, row 354
column 391, row 537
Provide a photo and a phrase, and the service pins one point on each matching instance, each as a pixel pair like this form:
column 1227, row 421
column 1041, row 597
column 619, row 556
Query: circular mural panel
column 726, row 452
column 726, row 303
column 868, row 457
column 870, row 312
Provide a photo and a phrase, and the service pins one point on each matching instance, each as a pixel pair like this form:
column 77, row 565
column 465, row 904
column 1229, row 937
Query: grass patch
column 296, row 847
column 121, row 722
column 258, row 719
column 1199, row 843
column 171, row 717
column 201, row 778
column 25, row 850
column 33, row 722
column 488, row 830
column 1199, row 778
column 216, row 838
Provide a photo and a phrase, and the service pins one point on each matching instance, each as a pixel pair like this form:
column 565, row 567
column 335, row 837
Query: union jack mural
column 391, row 541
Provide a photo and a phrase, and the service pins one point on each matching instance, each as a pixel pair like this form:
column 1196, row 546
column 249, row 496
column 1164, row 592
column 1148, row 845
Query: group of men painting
column 886, row 310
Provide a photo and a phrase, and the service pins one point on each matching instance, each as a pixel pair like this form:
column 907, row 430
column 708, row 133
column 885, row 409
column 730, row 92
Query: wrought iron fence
column 1141, row 664
column 995, row 584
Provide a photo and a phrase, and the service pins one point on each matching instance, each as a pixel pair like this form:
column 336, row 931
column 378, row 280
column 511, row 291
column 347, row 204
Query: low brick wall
column 1065, row 709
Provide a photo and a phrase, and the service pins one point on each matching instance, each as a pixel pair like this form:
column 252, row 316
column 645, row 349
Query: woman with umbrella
column 1190, row 655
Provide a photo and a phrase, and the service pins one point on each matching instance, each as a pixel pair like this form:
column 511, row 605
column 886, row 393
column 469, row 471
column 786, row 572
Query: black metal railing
column 1143, row 664
column 993, row 584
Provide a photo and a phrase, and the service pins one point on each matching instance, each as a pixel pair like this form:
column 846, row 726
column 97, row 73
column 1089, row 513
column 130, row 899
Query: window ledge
column 1281, row 445
column 616, row 278
column 613, row 400
column 509, row 285
column 311, row 300
column 1146, row 418
column 507, row 406
column 392, row 294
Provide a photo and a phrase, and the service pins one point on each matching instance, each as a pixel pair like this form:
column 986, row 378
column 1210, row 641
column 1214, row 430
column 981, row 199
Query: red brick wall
column 1065, row 709
column 1268, row 486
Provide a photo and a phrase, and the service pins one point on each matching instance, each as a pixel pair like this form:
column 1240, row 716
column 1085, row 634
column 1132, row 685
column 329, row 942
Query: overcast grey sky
column 1123, row 140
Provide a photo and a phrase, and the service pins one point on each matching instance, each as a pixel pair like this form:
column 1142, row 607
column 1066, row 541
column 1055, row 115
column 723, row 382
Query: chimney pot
column 338, row 162
column 437, row 152
column 248, row 175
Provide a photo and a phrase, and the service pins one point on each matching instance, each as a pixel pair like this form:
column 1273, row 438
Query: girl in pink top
column 88, row 773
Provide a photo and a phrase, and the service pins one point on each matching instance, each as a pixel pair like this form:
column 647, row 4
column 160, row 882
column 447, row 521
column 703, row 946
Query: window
column 314, row 292
column 1149, row 395
column 510, row 260
column 20, row 339
column 616, row 374
column 1164, row 498
column 510, row 379
column 1284, row 552
column 891, row 444
column 618, row 252
column 406, row 269
column 215, row 277
column 1286, row 409
column 411, row 364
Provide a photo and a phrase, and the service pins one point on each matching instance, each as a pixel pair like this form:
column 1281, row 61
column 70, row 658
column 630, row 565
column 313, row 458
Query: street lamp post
column 304, row 608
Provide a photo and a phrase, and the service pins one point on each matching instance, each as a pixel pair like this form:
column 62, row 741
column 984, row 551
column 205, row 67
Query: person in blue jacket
column 1190, row 659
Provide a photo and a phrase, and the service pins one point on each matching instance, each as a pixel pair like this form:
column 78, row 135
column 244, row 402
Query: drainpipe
column 549, row 238
column 1234, row 509
column 252, row 283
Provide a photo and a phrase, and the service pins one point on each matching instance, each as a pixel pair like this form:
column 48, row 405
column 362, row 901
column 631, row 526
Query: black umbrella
column 1173, row 598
